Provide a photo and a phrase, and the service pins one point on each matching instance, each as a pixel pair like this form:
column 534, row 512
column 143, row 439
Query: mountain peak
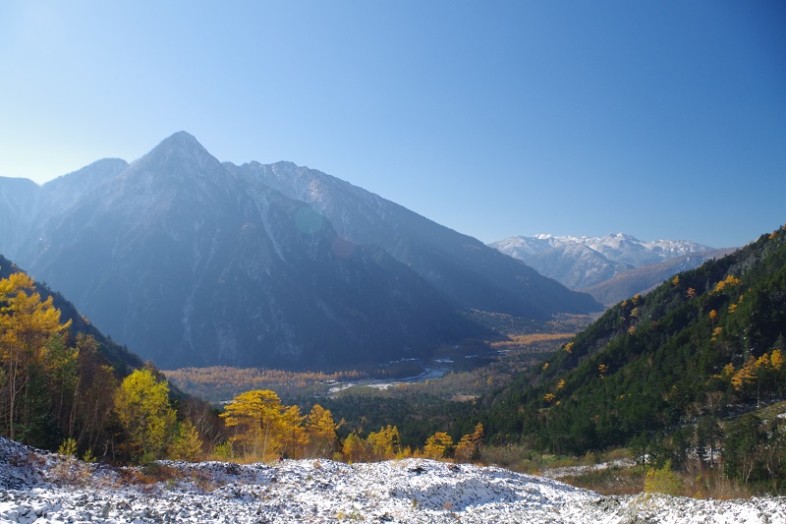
column 179, row 154
column 181, row 140
column 622, row 236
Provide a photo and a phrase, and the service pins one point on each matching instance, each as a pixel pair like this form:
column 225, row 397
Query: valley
column 460, row 371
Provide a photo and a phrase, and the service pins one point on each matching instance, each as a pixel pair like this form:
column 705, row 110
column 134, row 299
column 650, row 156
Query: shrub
column 663, row 480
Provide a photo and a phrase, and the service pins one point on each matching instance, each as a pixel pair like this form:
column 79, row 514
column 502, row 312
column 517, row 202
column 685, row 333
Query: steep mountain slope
column 120, row 358
column 583, row 263
column 466, row 271
column 18, row 206
column 709, row 340
column 644, row 278
column 188, row 264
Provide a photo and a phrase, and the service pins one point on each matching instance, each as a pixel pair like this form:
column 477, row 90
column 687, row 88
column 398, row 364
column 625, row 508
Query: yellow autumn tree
column 291, row 433
column 355, row 449
column 728, row 282
column 27, row 323
column 758, row 371
column 464, row 449
column 142, row 407
column 776, row 359
column 385, row 443
column 264, row 428
column 745, row 375
column 468, row 447
column 255, row 414
column 321, row 432
column 438, row 446
column 728, row 372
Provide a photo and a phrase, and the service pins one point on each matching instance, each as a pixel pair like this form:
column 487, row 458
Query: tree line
column 59, row 391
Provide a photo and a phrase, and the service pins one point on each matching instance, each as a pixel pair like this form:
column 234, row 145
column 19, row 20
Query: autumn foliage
column 60, row 392
column 264, row 429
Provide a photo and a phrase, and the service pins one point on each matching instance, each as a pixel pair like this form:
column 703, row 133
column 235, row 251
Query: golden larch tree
column 27, row 323
column 142, row 406
column 321, row 431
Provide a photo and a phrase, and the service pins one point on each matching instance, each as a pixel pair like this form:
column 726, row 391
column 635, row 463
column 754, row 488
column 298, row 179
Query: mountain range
column 610, row 268
column 190, row 261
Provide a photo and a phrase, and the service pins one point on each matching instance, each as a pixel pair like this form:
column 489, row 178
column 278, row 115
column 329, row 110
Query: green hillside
column 700, row 349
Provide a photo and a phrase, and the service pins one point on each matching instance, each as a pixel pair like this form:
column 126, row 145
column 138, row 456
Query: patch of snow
column 572, row 471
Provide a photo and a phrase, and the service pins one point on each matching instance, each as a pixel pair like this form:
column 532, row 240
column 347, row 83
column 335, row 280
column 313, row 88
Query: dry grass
column 711, row 484
column 702, row 484
column 611, row 481
column 515, row 341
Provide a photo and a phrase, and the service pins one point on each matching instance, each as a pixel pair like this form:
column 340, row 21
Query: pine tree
column 187, row 444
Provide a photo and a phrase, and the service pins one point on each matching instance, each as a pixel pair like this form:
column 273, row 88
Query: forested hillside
column 670, row 371
column 63, row 385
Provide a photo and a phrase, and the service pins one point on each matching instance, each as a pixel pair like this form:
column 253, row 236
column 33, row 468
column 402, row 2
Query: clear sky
column 660, row 119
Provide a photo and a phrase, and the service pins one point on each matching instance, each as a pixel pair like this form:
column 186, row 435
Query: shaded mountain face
column 121, row 360
column 588, row 263
column 470, row 274
column 18, row 204
column 189, row 264
column 192, row 262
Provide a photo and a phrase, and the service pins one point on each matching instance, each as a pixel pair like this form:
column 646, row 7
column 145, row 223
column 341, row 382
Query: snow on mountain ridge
column 582, row 261
column 605, row 244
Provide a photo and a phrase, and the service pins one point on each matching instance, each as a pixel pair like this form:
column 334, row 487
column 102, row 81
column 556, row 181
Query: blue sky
column 659, row 119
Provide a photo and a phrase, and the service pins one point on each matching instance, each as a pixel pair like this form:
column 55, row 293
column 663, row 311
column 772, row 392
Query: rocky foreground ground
column 40, row 487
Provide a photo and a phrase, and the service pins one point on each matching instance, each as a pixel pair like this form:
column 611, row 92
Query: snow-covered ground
column 40, row 487
column 570, row 471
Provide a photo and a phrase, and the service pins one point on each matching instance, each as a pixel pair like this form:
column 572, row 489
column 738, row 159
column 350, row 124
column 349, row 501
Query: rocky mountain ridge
column 460, row 267
column 190, row 261
column 611, row 267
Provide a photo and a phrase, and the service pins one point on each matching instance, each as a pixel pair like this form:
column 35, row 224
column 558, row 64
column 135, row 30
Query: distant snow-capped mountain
column 581, row 262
